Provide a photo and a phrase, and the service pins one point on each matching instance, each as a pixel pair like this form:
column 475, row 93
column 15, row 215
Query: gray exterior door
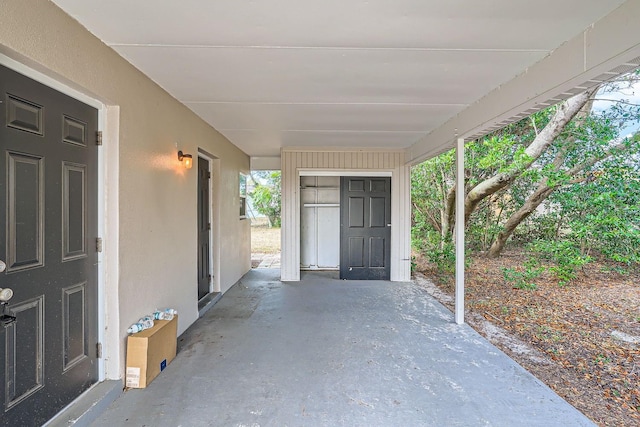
column 365, row 228
column 204, row 227
column 48, row 191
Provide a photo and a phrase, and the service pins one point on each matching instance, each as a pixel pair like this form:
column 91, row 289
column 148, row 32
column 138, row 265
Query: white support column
column 459, row 312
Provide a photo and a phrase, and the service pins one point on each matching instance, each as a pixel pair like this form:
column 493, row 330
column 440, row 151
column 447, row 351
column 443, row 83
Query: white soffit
column 372, row 73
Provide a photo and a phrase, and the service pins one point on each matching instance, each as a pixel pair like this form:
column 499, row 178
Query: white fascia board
column 603, row 47
column 265, row 163
column 343, row 149
column 346, row 172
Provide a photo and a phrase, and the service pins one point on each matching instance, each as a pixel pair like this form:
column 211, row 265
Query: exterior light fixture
column 186, row 159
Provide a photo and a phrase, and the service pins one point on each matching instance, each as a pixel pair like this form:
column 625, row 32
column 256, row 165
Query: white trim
column 112, row 350
column 214, row 168
column 215, row 283
column 395, row 220
column 265, row 163
column 342, row 150
column 344, row 172
column 101, row 227
column 324, row 162
column 459, row 292
column 50, row 82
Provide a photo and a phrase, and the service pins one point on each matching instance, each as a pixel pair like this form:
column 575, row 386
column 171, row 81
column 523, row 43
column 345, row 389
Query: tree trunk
column 542, row 192
column 450, row 213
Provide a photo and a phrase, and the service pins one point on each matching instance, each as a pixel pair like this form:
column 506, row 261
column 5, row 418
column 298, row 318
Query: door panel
column 356, row 212
column 25, row 216
column 24, row 115
column 73, row 211
column 204, row 229
column 73, row 323
column 365, row 228
column 25, row 352
column 48, row 229
column 377, row 212
column 377, row 253
column 356, row 252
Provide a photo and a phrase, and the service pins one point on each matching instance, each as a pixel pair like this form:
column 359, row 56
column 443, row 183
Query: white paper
column 133, row 377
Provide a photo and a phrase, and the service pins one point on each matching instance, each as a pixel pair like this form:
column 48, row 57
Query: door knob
column 3, row 266
column 5, row 295
column 7, row 317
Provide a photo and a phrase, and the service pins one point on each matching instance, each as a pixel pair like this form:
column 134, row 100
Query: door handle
column 388, row 225
column 6, row 316
column 3, row 266
column 5, row 295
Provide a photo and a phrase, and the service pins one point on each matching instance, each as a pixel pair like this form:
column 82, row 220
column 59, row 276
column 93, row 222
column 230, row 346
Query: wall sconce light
column 186, row 159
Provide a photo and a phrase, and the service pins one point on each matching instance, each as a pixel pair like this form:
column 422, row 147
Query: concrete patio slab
column 270, row 261
column 326, row 352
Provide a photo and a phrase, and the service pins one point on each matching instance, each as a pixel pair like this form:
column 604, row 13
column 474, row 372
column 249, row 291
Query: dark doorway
column 365, row 228
column 204, row 228
column 48, row 188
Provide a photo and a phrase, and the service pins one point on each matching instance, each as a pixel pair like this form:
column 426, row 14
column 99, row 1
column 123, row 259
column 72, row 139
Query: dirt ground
column 264, row 240
column 582, row 340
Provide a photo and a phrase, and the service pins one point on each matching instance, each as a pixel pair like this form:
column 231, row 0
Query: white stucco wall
column 150, row 202
column 296, row 162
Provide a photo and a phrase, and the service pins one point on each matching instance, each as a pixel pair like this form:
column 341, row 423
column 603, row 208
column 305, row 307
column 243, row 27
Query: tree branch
column 533, row 123
column 541, row 193
column 563, row 115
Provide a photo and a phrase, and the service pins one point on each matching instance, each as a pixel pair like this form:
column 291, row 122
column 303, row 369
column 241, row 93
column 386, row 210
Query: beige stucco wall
column 153, row 207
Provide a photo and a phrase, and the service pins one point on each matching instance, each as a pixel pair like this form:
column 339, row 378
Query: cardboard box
column 150, row 351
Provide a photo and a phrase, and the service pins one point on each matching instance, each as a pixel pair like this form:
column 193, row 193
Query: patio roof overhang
column 405, row 74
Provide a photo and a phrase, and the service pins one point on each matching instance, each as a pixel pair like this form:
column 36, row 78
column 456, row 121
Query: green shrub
column 566, row 256
column 523, row 278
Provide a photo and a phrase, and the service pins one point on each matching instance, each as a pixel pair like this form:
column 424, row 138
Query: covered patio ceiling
column 408, row 74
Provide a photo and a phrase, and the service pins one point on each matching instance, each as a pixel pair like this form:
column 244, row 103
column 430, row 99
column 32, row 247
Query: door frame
column 215, row 283
column 109, row 365
column 214, row 218
column 345, row 172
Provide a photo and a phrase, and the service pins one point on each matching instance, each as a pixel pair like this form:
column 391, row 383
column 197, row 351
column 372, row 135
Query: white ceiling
column 333, row 73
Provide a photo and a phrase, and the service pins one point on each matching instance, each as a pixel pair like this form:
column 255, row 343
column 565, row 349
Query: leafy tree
column 266, row 195
column 602, row 214
column 563, row 173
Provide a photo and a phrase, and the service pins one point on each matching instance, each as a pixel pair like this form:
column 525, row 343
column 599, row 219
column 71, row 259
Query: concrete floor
column 270, row 261
column 325, row 352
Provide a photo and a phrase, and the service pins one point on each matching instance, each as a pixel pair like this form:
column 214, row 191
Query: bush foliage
column 588, row 180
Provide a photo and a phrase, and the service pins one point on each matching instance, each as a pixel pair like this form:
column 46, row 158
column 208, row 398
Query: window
column 243, row 195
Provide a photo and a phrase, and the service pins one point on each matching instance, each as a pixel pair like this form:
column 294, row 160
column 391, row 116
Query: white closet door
column 320, row 222
column 308, row 229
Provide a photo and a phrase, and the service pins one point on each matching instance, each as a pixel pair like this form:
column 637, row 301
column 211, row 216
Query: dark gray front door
column 365, row 230
column 48, row 231
column 204, row 227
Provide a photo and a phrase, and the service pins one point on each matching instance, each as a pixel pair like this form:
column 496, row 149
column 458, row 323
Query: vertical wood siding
column 345, row 162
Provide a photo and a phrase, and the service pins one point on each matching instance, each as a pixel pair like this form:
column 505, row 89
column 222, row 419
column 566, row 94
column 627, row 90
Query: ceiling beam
column 601, row 51
column 265, row 163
